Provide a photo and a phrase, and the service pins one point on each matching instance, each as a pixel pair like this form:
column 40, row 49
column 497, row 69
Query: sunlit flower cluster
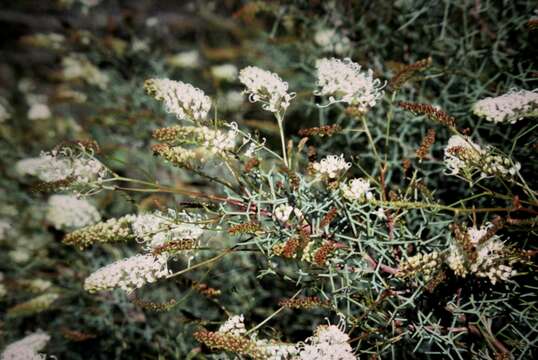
column 181, row 99
column 67, row 212
column 508, row 108
column 128, row 274
column 266, row 87
column 343, row 81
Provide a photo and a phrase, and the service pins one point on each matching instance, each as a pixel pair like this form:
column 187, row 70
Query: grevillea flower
column 328, row 343
column 459, row 152
column 463, row 154
column 181, row 99
column 116, row 229
column 266, row 87
column 158, row 228
column 128, row 274
column 331, row 167
column 67, row 212
column 343, row 81
column 235, row 325
column 490, row 260
column 508, row 108
column 76, row 168
column 357, row 190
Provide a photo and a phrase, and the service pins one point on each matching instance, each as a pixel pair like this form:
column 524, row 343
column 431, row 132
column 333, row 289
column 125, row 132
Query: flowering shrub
column 209, row 219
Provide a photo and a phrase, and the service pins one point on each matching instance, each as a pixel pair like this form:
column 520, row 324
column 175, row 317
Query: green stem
column 370, row 139
column 282, row 139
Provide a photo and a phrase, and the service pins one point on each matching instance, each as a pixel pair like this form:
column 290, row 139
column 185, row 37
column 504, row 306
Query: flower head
column 235, row 325
column 181, row 99
column 463, row 154
column 67, row 212
column 76, row 168
column 357, row 190
column 509, row 108
column 158, row 228
column 267, row 88
column 128, row 274
column 328, row 342
column 343, row 81
column 459, row 152
column 488, row 258
column 331, row 167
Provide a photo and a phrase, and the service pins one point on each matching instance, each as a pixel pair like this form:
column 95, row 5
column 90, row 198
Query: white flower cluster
column 331, row 167
column 328, row 343
column 426, row 264
column 462, row 153
column 267, row 88
column 218, row 141
column 357, row 190
column 67, row 212
column 62, row 165
column 508, row 108
column 489, row 263
column 343, row 81
column 224, row 72
column 235, row 325
column 332, row 41
column 181, row 99
column 277, row 350
column 78, row 67
column 459, row 151
column 128, row 274
column 456, row 260
column 39, row 111
column 159, row 228
column 26, row 348
column 283, row 212
column 499, row 165
column 186, row 59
